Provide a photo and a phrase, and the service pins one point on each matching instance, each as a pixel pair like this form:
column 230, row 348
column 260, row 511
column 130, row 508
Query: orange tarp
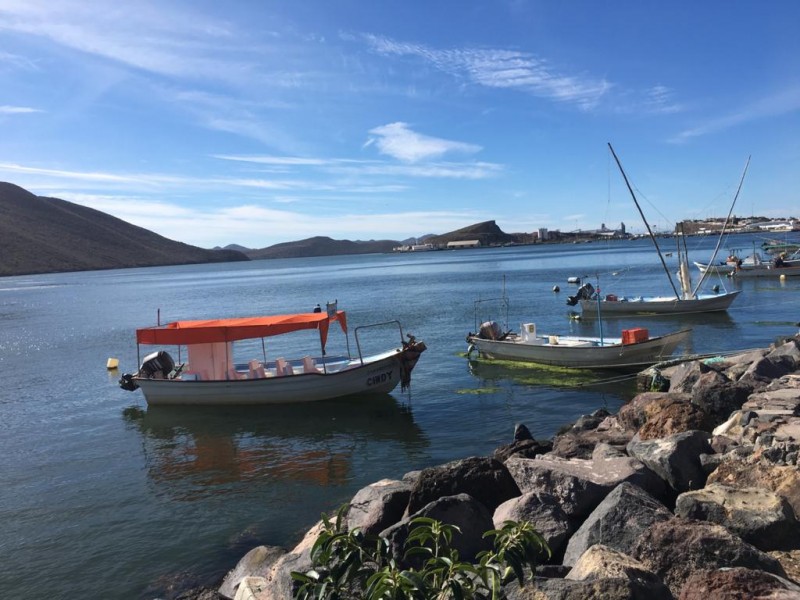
column 183, row 333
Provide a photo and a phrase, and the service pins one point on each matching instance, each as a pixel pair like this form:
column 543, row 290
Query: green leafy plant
column 349, row 564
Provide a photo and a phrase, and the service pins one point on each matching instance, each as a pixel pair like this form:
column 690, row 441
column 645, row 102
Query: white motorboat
column 686, row 301
column 634, row 350
column 211, row 376
column 658, row 305
column 754, row 265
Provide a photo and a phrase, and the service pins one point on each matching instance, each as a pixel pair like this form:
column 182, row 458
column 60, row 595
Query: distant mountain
column 322, row 246
column 487, row 232
column 236, row 247
column 48, row 235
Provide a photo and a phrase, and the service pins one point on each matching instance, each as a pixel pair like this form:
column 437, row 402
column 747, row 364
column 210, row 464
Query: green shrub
column 350, row 565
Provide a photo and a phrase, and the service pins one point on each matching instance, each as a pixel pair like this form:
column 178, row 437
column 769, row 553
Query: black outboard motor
column 490, row 330
column 157, row 365
column 585, row 292
column 127, row 383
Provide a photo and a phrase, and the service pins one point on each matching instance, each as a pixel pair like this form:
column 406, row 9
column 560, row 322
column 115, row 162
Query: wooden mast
column 646, row 224
column 724, row 227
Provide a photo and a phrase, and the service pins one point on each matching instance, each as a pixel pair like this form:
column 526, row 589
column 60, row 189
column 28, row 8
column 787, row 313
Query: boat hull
column 751, row 271
column 582, row 353
column 661, row 305
column 377, row 375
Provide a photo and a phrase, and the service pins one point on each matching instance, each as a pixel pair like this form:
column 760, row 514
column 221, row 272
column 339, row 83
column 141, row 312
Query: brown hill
column 48, row 235
column 487, row 232
column 322, row 246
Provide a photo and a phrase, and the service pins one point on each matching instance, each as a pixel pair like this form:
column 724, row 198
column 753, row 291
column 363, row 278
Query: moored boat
column 212, row 376
column 634, row 350
column 686, row 301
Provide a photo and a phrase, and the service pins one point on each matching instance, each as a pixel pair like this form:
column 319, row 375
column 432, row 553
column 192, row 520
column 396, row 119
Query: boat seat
column 256, row 369
column 233, row 374
column 309, row 366
column 282, row 367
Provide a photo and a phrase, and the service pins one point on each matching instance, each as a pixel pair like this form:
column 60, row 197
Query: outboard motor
column 157, row 365
column 127, row 383
column 585, row 292
column 490, row 330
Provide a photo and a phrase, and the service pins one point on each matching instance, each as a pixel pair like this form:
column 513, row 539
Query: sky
column 258, row 122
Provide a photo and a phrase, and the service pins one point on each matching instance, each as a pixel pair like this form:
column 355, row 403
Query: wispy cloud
column 787, row 101
column 18, row 62
column 17, row 110
column 400, row 142
column 362, row 168
column 246, row 223
column 660, row 100
column 499, row 68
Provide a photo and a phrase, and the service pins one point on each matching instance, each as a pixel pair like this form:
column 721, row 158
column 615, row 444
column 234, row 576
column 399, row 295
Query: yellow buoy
column 112, row 363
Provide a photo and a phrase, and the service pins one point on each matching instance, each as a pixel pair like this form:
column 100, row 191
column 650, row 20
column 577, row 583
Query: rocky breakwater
column 689, row 492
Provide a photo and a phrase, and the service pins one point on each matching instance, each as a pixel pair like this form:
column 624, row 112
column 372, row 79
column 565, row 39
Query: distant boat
column 211, row 377
column 688, row 300
column 753, row 266
column 777, row 247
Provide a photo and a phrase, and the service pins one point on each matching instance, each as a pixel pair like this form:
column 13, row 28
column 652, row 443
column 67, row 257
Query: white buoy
column 783, row 276
column 556, row 289
column 573, row 279
column 112, row 363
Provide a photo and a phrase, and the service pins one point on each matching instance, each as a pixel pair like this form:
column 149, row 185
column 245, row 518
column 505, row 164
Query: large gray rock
column 758, row 516
column 256, row 563
column 487, row 480
column 589, row 431
column 683, row 376
column 617, row 522
column 526, row 448
column 278, row 583
column 675, row 549
column 719, row 397
column 378, row 505
column 601, row 562
column 783, row 480
column 676, row 459
column 580, row 484
column 461, row 510
column 543, row 512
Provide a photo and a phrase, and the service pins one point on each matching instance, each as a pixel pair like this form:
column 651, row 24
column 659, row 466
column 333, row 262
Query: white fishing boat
column 634, row 350
column 656, row 305
column 211, row 376
column 754, row 265
column 686, row 301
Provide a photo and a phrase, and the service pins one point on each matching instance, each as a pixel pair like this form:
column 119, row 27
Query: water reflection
column 530, row 374
column 195, row 451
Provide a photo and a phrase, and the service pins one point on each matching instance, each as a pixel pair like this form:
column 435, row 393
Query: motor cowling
column 585, row 292
column 157, row 365
column 490, row 330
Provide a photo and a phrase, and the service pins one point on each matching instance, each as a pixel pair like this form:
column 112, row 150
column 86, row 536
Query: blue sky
column 257, row 122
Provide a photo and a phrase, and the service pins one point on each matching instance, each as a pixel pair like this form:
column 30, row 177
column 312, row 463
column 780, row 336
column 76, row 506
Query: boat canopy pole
column 599, row 316
column 646, row 224
column 724, row 227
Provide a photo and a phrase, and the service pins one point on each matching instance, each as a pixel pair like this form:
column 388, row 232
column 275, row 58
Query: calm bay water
column 103, row 497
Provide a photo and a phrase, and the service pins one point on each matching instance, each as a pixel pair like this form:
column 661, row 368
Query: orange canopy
column 243, row 328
